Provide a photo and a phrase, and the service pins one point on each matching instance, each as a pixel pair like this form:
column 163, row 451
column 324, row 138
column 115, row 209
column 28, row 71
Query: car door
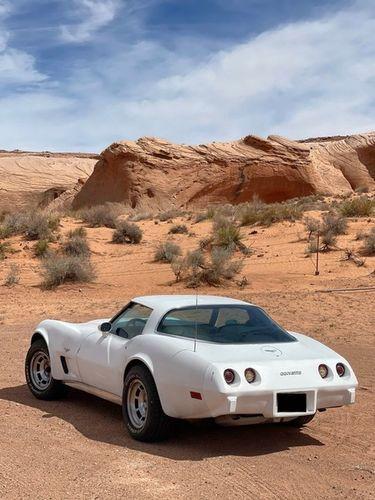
column 102, row 355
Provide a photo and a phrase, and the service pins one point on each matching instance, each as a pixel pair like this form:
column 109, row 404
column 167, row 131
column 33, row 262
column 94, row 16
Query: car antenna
column 196, row 322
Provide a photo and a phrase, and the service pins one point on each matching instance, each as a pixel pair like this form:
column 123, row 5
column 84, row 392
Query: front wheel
column 38, row 373
column 143, row 415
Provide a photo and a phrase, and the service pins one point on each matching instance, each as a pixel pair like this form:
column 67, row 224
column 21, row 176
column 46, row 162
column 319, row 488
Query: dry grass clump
column 167, row 252
column 225, row 233
column 196, row 269
column 13, row 276
column 126, row 232
column 76, row 244
column 34, row 225
column 59, row 269
column 102, row 215
column 5, row 248
column 369, row 243
column 333, row 223
column 363, row 206
column 362, row 189
column 178, row 229
column 139, row 216
column 170, row 214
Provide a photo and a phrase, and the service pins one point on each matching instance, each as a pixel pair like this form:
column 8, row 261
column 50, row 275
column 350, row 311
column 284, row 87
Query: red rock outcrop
column 154, row 173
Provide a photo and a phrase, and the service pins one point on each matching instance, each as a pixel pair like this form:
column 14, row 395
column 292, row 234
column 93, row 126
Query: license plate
column 291, row 402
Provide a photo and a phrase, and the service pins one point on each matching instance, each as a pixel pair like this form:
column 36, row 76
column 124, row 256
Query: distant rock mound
column 40, row 178
column 155, row 174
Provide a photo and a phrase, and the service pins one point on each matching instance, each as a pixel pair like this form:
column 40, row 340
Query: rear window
column 224, row 324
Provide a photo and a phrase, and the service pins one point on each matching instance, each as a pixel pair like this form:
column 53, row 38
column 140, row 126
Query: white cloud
column 16, row 66
column 302, row 79
column 95, row 14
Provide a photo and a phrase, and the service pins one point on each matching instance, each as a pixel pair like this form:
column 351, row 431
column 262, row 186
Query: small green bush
column 260, row 213
column 41, row 248
column 225, row 232
column 167, row 252
column 76, row 246
column 369, row 243
column 59, row 269
column 126, row 232
column 328, row 241
column 362, row 206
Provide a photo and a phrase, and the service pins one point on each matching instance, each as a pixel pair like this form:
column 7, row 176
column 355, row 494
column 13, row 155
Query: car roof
column 168, row 302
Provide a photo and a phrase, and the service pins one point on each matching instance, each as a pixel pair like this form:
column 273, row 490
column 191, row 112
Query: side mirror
column 105, row 327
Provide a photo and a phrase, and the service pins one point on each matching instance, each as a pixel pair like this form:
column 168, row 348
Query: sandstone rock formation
column 155, row 174
column 38, row 178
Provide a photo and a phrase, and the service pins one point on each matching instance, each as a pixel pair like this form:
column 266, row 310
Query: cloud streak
column 95, row 14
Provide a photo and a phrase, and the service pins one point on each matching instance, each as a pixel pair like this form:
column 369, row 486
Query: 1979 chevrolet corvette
column 189, row 357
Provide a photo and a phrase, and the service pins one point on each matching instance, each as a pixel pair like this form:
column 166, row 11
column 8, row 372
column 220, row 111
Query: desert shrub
column 78, row 231
column 5, row 248
column 127, row 232
column 139, row 216
column 312, row 225
column 41, row 248
column 13, row 275
column 328, row 241
column 178, row 229
column 334, row 223
column 196, row 269
column 170, row 214
column 369, row 243
column 312, row 246
column 363, row 206
column 167, row 252
column 34, row 225
column 225, row 232
column 75, row 245
column 102, row 215
column 200, row 217
column 59, row 269
column 362, row 189
column 360, row 235
column 205, row 243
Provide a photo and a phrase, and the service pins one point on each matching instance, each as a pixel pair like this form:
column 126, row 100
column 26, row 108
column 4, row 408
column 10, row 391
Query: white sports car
column 190, row 357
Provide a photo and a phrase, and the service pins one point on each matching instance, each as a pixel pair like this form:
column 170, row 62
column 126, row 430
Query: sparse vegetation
column 139, row 216
column 328, row 241
column 167, row 252
column 363, row 206
column 127, row 232
column 5, row 248
column 312, row 225
column 178, row 229
column 257, row 212
column 225, row 232
column 102, row 215
column 333, row 223
column 362, row 189
column 59, row 269
column 170, row 214
column 34, row 225
column 369, row 243
column 13, row 276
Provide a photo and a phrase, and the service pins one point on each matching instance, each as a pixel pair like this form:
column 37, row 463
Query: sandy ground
column 77, row 448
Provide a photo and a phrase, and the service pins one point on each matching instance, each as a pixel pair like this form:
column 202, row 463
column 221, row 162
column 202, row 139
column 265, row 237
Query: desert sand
column 78, row 448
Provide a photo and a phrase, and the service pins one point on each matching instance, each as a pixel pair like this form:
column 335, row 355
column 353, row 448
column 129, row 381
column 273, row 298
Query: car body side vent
column 64, row 364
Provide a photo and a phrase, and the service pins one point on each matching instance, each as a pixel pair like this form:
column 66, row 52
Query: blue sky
column 80, row 74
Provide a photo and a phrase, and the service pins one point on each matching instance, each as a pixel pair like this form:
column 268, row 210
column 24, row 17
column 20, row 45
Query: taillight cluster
column 323, row 370
column 230, row 376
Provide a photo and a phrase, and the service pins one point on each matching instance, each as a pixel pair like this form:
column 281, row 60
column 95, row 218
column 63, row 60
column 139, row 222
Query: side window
column 132, row 321
column 186, row 322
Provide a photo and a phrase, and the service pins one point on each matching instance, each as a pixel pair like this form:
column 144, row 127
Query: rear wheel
column 300, row 421
column 38, row 373
column 143, row 415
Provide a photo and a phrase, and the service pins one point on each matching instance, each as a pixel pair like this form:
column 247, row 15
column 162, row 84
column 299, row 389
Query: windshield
column 237, row 324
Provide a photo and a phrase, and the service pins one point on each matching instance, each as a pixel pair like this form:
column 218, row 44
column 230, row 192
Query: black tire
column 156, row 424
column 300, row 421
column 51, row 388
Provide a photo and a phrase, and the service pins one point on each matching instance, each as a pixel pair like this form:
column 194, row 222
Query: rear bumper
column 264, row 403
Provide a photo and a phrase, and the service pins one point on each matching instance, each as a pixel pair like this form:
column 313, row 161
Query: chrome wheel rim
column 40, row 370
column 137, row 404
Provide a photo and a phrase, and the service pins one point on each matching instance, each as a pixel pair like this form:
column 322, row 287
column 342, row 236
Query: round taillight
column 250, row 375
column 229, row 376
column 323, row 371
column 340, row 368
